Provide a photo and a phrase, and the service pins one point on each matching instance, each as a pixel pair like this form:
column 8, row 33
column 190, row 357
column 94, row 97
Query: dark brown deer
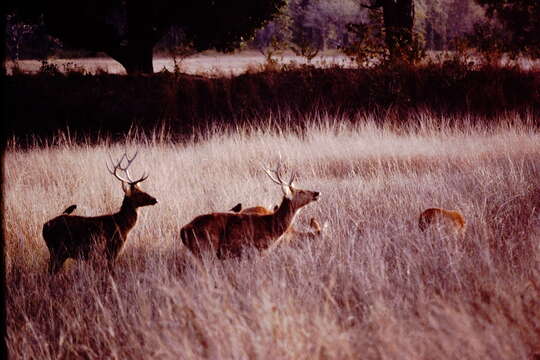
column 227, row 233
column 84, row 238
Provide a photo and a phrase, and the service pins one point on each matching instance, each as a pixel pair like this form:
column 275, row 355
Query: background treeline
column 482, row 76
column 323, row 23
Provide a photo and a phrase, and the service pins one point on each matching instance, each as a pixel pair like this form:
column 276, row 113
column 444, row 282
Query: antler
column 118, row 166
column 277, row 179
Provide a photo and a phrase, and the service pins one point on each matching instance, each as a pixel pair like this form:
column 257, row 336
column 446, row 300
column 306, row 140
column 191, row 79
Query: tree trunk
column 398, row 16
column 142, row 35
column 135, row 58
column 139, row 59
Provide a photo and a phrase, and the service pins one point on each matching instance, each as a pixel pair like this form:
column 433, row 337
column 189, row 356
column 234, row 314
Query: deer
column 315, row 232
column 451, row 219
column 261, row 210
column 85, row 238
column 227, row 234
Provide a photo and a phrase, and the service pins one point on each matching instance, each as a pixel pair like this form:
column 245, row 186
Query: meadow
column 212, row 63
column 372, row 287
column 208, row 63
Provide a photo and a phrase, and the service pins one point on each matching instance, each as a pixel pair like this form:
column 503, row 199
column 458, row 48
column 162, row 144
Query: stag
column 227, row 234
column 84, row 238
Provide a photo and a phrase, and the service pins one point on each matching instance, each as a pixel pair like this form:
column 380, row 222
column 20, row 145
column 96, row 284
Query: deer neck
column 127, row 216
column 283, row 217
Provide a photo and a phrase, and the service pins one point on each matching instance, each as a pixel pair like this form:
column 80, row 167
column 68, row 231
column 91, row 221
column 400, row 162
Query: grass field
column 373, row 287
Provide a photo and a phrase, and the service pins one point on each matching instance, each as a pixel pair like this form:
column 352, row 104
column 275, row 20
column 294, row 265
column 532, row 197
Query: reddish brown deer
column 448, row 219
column 261, row 210
column 291, row 234
column 227, row 233
column 80, row 237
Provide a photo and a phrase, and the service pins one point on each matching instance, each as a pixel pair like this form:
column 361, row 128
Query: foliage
column 273, row 38
column 368, row 47
column 177, row 46
column 331, row 19
column 520, row 20
column 397, row 25
column 27, row 40
column 441, row 22
column 384, row 39
column 306, row 40
column 303, row 25
column 128, row 30
column 49, row 69
column 491, row 43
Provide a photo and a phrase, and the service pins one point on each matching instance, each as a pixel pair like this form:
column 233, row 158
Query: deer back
column 452, row 219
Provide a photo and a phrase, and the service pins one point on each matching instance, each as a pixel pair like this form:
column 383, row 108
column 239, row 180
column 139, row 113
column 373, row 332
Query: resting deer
column 291, row 233
column 80, row 237
column 228, row 233
column 448, row 218
column 261, row 210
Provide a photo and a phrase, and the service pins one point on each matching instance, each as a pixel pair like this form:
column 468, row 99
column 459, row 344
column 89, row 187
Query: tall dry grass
column 374, row 287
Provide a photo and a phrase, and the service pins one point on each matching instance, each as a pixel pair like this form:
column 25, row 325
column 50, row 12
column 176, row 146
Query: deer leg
column 112, row 253
column 56, row 262
column 111, row 260
column 110, row 266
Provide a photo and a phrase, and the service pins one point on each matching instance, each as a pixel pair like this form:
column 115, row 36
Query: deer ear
column 126, row 188
column 287, row 191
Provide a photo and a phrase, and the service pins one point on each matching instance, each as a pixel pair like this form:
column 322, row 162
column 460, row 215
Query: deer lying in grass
column 449, row 219
column 261, row 210
column 227, row 233
column 80, row 237
column 291, row 233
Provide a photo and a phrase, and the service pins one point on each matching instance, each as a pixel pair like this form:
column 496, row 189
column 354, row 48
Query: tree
column 435, row 26
column 273, row 37
column 128, row 30
column 398, row 21
column 306, row 40
column 27, row 40
column 332, row 19
column 521, row 19
column 458, row 13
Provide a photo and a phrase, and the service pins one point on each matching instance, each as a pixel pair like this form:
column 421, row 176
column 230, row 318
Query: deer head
column 298, row 197
column 131, row 188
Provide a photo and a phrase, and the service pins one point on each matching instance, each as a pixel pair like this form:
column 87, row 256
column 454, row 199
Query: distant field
column 212, row 64
column 373, row 287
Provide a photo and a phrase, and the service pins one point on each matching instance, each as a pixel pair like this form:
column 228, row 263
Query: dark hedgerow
column 44, row 103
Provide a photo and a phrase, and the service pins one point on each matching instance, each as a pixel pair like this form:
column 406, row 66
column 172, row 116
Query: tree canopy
column 521, row 22
column 398, row 21
column 127, row 30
